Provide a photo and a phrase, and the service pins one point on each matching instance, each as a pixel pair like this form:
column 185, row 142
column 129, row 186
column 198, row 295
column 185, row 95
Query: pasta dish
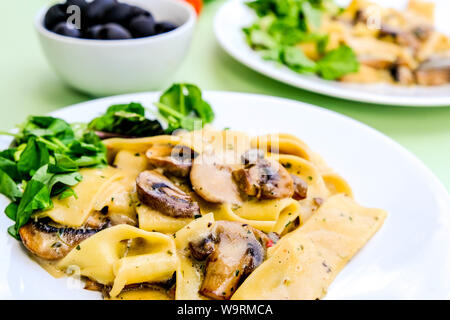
column 196, row 214
column 178, row 212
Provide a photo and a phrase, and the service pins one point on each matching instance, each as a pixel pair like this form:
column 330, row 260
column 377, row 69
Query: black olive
column 82, row 4
column 93, row 32
column 67, row 29
column 142, row 26
column 97, row 8
column 120, row 13
column 164, row 26
column 113, row 31
column 137, row 11
column 54, row 15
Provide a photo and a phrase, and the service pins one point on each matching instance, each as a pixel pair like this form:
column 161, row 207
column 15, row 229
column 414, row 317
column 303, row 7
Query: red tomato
column 197, row 4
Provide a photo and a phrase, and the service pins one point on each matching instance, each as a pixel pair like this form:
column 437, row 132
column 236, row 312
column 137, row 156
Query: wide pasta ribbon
column 99, row 188
column 123, row 255
column 190, row 274
column 304, row 263
column 265, row 215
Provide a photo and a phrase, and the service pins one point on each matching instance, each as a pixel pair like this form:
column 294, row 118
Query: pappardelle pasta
column 207, row 214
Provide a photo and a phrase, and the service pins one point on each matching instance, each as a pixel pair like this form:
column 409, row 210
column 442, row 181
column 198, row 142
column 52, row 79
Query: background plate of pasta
column 297, row 203
column 384, row 52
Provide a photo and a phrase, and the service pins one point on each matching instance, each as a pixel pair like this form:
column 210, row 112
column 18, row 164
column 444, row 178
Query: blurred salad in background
column 286, row 30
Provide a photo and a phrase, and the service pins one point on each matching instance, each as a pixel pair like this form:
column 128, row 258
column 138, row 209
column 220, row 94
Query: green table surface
column 29, row 86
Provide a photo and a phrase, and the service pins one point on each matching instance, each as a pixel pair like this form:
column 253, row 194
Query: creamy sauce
column 48, row 265
column 143, row 294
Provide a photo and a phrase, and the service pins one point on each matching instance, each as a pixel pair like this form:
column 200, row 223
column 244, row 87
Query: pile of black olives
column 104, row 20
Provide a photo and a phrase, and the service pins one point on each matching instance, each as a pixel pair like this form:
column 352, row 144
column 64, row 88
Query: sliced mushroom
column 434, row 72
column 53, row 242
column 232, row 252
column 300, row 188
column 374, row 61
column 159, row 193
column 360, row 16
column 172, row 160
column 422, row 32
column 203, row 248
column 211, row 179
column 402, row 74
column 98, row 219
column 265, row 179
column 252, row 155
column 267, row 240
column 404, row 38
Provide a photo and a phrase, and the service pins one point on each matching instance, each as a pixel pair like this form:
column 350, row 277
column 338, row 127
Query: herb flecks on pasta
column 203, row 214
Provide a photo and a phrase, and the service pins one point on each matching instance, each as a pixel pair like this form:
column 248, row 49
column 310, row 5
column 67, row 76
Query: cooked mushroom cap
column 375, row 61
column 300, row 188
column 265, row 179
column 252, row 155
column 434, row 71
column 53, row 242
column 172, row 160
column 202, row 249
column 404, row 38
column 235, row 254
column 159, row 193
column 402, row 74
column 211, row 179
column 433, row 77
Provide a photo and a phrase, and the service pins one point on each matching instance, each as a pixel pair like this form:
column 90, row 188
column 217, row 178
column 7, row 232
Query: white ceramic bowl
column 108, row 67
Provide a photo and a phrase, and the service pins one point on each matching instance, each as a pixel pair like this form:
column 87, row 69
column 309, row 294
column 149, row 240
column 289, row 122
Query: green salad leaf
column 182, row 107
column 47, row 153
column 337, row 63
column 295, row 59
column 284, row 24
column 126, row 120
column 43, row 162
column 8, row 187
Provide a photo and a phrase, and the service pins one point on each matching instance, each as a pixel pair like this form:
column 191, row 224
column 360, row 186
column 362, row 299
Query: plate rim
column 264, row 68
column 437, row 188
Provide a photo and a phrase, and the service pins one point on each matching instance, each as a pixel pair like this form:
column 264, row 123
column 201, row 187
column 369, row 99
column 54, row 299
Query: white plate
column 234, row 15
column 408, row 258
